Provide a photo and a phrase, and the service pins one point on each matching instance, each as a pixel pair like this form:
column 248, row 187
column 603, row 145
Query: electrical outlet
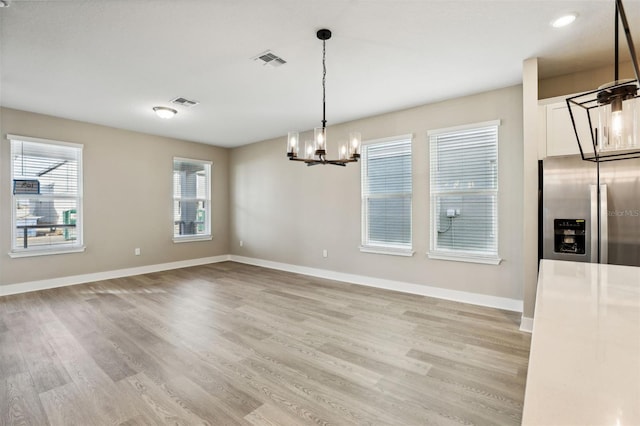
column 137, row 251
column 241, row 243
column 325, row 253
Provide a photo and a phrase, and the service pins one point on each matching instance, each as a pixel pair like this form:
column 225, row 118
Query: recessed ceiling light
column 164, row 112
column 564, row 20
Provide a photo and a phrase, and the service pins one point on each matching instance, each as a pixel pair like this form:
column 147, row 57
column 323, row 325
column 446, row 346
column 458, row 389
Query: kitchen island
column 584, row 364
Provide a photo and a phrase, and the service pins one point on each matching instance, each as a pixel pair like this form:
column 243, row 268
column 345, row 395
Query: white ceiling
column 110, row 61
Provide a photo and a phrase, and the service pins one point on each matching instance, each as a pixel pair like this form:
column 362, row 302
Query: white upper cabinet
column 561, row 138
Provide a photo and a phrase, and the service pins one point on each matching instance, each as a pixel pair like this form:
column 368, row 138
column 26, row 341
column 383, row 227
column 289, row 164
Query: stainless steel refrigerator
column 571, row 220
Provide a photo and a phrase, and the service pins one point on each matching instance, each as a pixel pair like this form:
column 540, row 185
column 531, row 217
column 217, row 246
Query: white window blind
column 464, row 192
column 191, row 199
column 47, row 218
column 387, row 196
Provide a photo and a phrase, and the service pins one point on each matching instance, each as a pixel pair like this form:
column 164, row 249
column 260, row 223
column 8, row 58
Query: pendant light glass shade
column 618, row 119
column 293, row 141
column 320, row 140
column 309, row 150
column 607, row 127
column 342, row 151
column 355, row 140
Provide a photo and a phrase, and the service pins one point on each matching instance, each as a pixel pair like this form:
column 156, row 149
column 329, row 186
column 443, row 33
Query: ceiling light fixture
column 613, row 108
column 564, row 20
column 4, row 3
column 164, row 112
column 315, row 151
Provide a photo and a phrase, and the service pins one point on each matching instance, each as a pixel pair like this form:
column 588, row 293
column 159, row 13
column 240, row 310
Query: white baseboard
column 526, row 324
column 422, row 290
column 107, row 275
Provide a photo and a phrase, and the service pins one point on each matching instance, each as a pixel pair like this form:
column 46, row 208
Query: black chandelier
column 315, row 151
column 612, row 112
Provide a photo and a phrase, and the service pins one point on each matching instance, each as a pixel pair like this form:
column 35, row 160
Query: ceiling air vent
column 269, row 58
column 184, row 102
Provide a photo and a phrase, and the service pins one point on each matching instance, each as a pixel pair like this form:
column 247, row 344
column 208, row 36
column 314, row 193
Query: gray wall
column 127, row 199
column 283, row 211
column 286, row 212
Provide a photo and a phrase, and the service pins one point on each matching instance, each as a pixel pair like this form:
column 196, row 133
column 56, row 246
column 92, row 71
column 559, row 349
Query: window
column 386, row 196
column 464, row 193
column 46, row 179
column 191, row 200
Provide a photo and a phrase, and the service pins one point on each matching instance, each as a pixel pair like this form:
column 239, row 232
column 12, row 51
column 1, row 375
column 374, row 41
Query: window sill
column 387, row 250
column 192, row 238
column 465, row 257
column 44, row 252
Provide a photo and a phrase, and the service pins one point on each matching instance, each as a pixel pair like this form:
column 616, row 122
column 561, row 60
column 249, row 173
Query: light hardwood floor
column 234, row 344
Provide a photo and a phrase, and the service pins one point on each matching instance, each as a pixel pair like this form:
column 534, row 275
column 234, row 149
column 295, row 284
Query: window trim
column 371, row 247
column 459, row 256
column 54, row 250
column 195, row 237
column 191, row 238
column 45, row 252
column 462, row 255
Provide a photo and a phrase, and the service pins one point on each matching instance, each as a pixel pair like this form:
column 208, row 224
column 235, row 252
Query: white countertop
column 584, row 365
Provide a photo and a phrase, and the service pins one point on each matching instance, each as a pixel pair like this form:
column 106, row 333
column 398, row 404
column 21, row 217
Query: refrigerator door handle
column 604, row 225
column 593, row 237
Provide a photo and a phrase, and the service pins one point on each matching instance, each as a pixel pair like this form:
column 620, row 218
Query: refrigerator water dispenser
column 569, row 236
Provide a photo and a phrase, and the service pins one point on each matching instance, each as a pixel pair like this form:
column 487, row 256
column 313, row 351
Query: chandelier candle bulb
column 320, row 137
column 354, row 146
column 309, row 150
column 292, row 144
column 342, row 152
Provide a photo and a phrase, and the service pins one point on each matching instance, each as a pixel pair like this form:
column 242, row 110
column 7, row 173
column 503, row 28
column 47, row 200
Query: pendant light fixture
column 612, row 112
column 315, row 152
